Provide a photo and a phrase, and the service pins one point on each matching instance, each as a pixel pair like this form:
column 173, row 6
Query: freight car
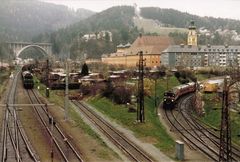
column 27, row 79
column 171, row 97
column 211, row 86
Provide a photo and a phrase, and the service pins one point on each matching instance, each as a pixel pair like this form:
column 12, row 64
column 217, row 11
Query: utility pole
column 51, row 123
column 66, row 90
column 47, row 79
column 140, row 107
column 155, row 92
column 225, row 151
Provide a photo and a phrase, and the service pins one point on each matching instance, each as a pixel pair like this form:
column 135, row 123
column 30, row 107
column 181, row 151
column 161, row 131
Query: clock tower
column 192, row 34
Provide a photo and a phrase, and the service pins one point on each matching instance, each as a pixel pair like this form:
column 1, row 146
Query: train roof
column 182, row 86
column 26, row 73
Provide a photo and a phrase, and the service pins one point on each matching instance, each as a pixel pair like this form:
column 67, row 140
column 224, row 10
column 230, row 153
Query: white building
column 98, row 35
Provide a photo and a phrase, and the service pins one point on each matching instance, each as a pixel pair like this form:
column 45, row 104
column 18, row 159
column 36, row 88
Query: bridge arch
column 37, row 47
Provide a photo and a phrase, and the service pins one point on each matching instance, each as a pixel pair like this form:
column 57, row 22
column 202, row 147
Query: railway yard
column 35, row 128
column 87, row 81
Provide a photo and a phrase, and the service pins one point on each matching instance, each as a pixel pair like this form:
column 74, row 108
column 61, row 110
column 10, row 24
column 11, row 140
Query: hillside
column 125, row 26
column 153, row 26
column 117, row 20
column 21, row 20
column 174, row 18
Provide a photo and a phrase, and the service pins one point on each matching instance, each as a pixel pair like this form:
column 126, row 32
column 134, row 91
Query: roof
column 149, row 45
column 120, row 46
column 58, row 73
column 152, row 41
column 204, row 48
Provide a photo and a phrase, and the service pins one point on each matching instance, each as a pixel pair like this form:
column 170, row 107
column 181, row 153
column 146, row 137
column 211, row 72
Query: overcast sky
column 215, row 8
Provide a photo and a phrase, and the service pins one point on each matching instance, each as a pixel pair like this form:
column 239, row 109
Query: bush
column 121, row 95
column 177, row 74
column 183, row 81
column 107, row 92
column 85, row 89
column 162, row 73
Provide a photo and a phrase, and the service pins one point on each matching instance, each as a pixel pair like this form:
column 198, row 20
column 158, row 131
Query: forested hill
column 179, row 19
column 21, row 20
column 119, row 21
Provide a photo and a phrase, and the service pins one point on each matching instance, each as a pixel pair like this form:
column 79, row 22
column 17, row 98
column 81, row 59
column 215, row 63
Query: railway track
column 59, row 141
column 133, row 152
column 192, row 131
column 14, row 143
column 205, row 133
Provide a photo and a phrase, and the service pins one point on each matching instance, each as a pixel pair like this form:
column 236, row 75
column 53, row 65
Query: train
column 27, row 79
column 170, row 97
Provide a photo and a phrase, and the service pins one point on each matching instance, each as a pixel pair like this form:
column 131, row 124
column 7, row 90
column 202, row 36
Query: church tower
column 192, row 34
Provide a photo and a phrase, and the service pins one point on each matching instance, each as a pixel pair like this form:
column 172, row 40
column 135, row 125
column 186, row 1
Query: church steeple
column 192, row 34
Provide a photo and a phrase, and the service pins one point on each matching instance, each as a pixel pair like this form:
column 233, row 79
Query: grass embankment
column 57, row 97
column 3, row 77
column 212, row 107
column 152, row 131
column 213, row 116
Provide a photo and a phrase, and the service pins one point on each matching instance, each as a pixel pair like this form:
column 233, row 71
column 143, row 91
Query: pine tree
column 84, row 71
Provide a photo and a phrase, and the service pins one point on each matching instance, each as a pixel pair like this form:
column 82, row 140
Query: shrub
column 177, row 74
column 108, row 90
column 121, row 95
column 85, row 89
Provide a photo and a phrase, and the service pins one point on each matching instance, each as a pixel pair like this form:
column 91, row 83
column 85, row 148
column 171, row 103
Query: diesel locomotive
column 171, row 97
column 27, row 79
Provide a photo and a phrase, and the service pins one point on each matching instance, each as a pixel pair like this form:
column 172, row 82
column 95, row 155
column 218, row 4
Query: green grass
column 213, row 116
column 152, row 130
column 235, row 127
column 201, row 77
column 57, row 98
column 212, row 108
column 3, row 77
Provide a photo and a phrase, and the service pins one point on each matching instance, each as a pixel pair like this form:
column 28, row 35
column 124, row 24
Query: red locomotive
column 171, row 97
